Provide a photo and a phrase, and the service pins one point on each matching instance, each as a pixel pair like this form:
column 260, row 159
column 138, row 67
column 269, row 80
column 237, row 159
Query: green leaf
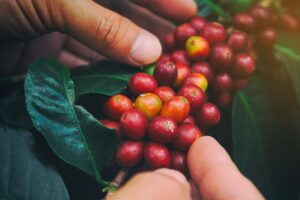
column 106, row 78
column 218, row 10
column 71, row 132
column 242, row 5
column 25, row 171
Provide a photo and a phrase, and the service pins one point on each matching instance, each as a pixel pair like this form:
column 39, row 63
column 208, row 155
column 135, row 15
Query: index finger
column 178, row 10
column 215, row 174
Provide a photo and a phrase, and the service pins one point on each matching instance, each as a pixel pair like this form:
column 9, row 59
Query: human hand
column 88, row 29
column 212, row 171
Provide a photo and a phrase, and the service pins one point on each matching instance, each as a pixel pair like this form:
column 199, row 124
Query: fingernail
column 174, row 174
column 146, row 49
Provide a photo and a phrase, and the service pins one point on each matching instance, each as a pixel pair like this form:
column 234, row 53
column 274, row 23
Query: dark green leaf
column 71, row 132
column 217, row 9
column 25, row 172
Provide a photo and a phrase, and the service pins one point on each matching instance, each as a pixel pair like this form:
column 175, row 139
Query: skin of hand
column 80, row 31
column 212, row 171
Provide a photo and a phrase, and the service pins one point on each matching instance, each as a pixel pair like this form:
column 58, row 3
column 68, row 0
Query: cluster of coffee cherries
column 168, row 108
column 263, row 23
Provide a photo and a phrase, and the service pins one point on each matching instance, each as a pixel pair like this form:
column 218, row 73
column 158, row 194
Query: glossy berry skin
column 197, row 79
column 239, row 84
column 179, row 162
column 186, row 135
column 165, row 72
column 177, row 108
column 157, row 156
column 133, row 124
column 112, row 125
column 164, row 93
column 198, row 23
column 130, row 153
column 183, row 70
column 222, row 100
column 197, row 48
column 213, row 32
column 193, row 94
column 221, row 57
column 222, row 83
column 182, row 33
column 141, row 83
column 238, row 41
column 149, row 103
column 189, row 119
column 170, row 42
column 116, row 105
column 244, row 22
column 261, row 16
column 162, row 130
column 179, row 56
column 205, row 69
column 266, row 38
column 243, row 66
column 207, row 116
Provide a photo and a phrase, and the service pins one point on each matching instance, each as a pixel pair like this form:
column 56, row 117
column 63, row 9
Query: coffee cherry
column 157, row 155
column 112, row 125
column 165, row 93
column 182, row 33
column 133, row 124
column 193, row 94
column 177, row 108
column 183, row 71
column 164, row 57
column 170, row 42
column 267, row 37
column 165, row 72
column 205, row 69
column 221, row 57
column 179, row 162
column 197, row 48
column 149, row 103
column 222, row 100
column 243, row 66
column 189, row 119
column 239, row 84
column 213, row 33
column 222, row 83
column 207, row 116
column 197, row 79
column 162, row 130
column 244, row 22
column 261, row 16
column 186, row 135
column 116, row 105
column 141, row 83
column 130, row 153
column 238, row 41
column 179, row 56
column 289, row 22
column 198, row 23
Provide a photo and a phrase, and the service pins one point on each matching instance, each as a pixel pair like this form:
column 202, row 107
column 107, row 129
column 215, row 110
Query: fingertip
column 175, row 175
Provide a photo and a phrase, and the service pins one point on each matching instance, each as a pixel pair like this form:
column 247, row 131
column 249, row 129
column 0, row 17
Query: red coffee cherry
column 130, row 153
column 289, row 22
column 182, row 33
column 207, row 116
column 221, row 57
column 183, row 71
column 189, row 119
column 186, row 135
column 116, row 105
column 261, row 16
column 165, row 72
column 133, row 124
column 198, row 80
column 238, row 41
column 149, row 103
column 170, row 42
column 267, row 37
column 244, row 22
column 213, row 32
column 198, row 23
column 141, row 83
column 179, row 162
column 205, row 69
column 157, row 155
column 162, row 130
column 239, row 84
column 179, row 56
column 193, row 94
column 112, row 125
column 223, row 100
column 243, row 66
column 222, row 83
column 165, row 93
